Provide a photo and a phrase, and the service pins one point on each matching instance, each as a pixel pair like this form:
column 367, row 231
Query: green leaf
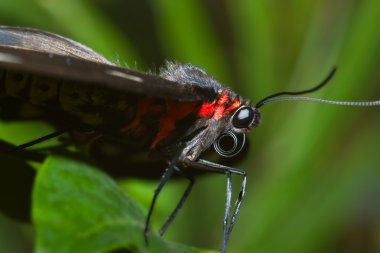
column 77, row 208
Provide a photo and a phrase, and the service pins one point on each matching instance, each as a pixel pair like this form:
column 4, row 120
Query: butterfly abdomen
column 88, row 104
column 135, row 117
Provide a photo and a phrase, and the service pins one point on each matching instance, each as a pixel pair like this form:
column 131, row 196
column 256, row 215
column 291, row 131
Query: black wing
column 41, row 41
column 42, row 53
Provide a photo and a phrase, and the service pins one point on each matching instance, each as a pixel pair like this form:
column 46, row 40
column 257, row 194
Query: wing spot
column 124, row 75
column 4, row 57
column 68, row 61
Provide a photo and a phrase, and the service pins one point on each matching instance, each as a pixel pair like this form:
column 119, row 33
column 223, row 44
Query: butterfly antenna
column 315, row 88
column 276, row 98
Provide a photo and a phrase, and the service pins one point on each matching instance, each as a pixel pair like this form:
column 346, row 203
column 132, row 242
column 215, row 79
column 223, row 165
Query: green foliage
column 79, row 209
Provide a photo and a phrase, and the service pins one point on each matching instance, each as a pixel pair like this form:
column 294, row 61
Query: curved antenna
column 317, row 87
column 325, row 101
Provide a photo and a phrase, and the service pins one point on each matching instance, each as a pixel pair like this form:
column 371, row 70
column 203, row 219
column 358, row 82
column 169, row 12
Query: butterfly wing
column 41, row 41
column 41, row 53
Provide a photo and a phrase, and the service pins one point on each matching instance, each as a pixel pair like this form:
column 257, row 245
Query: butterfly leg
column 40, row 140
column 180, row 203
column 165, row 178
column 31, row 155
column 228, row 223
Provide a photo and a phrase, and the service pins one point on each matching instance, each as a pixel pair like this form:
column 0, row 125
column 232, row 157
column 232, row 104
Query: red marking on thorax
column 218, row 108
column 234, row 105
column 206, row 109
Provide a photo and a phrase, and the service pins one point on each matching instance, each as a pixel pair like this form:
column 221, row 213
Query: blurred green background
column 313, row 169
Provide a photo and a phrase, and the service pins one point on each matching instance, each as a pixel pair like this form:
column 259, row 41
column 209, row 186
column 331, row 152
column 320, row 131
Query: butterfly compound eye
column 243, row 117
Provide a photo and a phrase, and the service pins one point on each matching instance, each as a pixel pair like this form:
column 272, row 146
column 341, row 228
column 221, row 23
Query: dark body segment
column 143, row 120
